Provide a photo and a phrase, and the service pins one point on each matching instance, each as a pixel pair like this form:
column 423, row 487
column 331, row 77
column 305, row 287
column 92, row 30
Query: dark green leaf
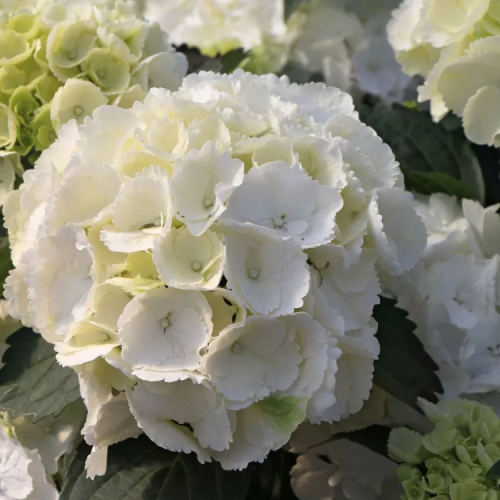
column 5, row 262
column 374, row 437
column 422, row 146
column 404, row 369
column 271, row 479
column 32, row 382
column 291, row 6
column 140, row 470
column 494, row 472
column 436, row 182
column 231, row 60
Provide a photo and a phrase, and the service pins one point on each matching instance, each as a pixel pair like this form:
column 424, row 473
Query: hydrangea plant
column 451, row 461
column 61, row 60
column 217, row 289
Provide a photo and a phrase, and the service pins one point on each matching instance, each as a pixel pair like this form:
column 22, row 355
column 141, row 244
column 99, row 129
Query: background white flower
column 452, row 294
column 218, row 26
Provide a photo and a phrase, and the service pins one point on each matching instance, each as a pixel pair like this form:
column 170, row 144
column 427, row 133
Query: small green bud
column 442, row 440
column 23, row 104
column 462, row 472
column 43, row 131
column 414, row 489
column 11, row 78
column 46, row 87
column 8, row 127
column 14, row 47
column 471, row 490
column 406, row 445
column 484, row 424
column 438, row 478
column 407, row 471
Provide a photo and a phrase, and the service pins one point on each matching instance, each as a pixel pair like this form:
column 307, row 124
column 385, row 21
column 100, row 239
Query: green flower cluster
column 452, row 461
column 61, row 60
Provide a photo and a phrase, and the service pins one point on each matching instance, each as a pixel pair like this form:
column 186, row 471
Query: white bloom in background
column 375, row 67
column 346, row 42
column 457, row 58
column 207, row 262
column 218, row 26
column 340, row 469
column 453, row 294
column 325, row 41
column 22, row 475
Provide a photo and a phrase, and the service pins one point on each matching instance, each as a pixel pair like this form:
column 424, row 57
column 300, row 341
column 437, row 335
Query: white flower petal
column 268, row 274
column 163, row 331
column 187, row 261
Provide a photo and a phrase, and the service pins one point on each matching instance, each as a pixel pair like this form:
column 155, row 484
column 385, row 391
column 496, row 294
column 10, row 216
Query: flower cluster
column 347, row 44
column 452, row 294
column 208, row 260
column 218, row 26
column 29, row 453
column 323, row 39
column 454, row 45
column 60, row 61
column 453, row 459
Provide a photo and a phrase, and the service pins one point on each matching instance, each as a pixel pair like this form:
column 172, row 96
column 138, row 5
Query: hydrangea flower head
column 218, row 26
column 60, row 61
column 207, row 261
column 453, row 45
column 451, row 461
column 452, row 294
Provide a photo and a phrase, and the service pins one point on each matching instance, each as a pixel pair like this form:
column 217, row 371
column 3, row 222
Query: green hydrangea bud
column 407, row 471
column 8, row 127
column 438, row 479
column 10, row 165
column 61, row 60
column 442, row 440
column 23, row 104
column 463, row 472
column 460, row 451
column 466, row 451
column 484, row 424
column 406, row 445
column 472, row 490
column 414, row 489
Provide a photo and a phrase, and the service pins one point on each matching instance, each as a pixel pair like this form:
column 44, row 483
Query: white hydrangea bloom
column 454, row 46
column 218, row 26
column 324, row 38
column 216, row 287
column 350, row 471
column 453, row 294
column 21, row 471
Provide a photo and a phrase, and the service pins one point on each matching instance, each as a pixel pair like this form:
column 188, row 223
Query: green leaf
column 140, row 470
column 32, row 382
column 404, row 369
column 374, row 437
column 436, row 182
column 5, row 261
column 271, row 479
column 494, row 472
column 291, row 6
column 425, row 147
column 231, row 60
